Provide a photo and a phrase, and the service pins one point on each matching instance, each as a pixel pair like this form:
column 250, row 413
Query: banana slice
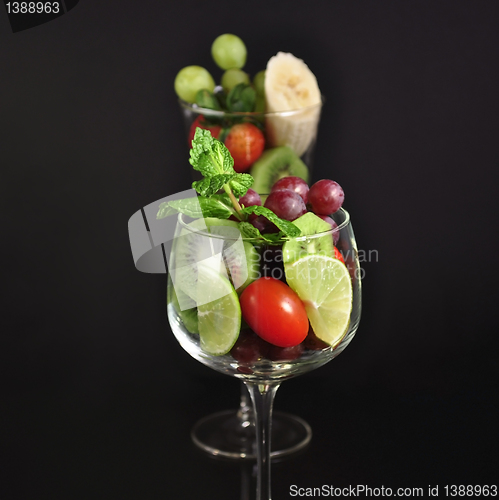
column 291, row 86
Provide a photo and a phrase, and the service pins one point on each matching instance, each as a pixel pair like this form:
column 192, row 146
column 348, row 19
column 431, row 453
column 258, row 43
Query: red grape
column 250, row 198
column 325, row 197
column 286, row 204
column 312, row 342
column 293, row 183
column 276, row 353
column 249, row 347
column 260, row 222
column 332, row 223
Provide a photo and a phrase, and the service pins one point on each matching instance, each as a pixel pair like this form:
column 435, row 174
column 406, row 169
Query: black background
column 98, row 399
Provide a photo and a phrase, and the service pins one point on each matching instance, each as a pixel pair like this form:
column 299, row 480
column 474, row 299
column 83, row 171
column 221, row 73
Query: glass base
column 224, row 434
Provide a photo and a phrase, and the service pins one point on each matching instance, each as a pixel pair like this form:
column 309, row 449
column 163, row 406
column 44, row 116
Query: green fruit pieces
column 219, row 319
column 274, row 164
column 308, row 243
column 190, row 80
column 189, row 317
column 228, row 51
column 324, row 286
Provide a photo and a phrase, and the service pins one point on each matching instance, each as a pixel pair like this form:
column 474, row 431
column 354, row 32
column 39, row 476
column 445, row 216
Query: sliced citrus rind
column 189, row 317
column 325, row 287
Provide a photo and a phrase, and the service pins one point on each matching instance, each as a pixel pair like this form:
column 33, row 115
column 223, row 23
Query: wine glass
column 204, row 309
column 294, row 129
column 230, row 433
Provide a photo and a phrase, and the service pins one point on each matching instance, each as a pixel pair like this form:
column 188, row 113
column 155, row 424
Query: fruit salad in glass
column 268, row 123
column 261, row 288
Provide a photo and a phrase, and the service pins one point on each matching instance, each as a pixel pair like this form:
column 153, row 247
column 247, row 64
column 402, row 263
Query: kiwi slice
column 309, row 224
column 274, row 164
column 242, row 268
column 240, row 258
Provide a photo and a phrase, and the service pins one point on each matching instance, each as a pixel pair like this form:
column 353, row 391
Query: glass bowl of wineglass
column 263, row 328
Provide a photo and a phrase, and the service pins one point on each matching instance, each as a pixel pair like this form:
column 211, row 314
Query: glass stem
column 245, row 411
column 262, row 396
column 246, row 479
column 246, row 424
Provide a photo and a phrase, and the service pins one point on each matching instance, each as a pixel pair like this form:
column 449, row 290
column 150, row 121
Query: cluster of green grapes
column 194, row 84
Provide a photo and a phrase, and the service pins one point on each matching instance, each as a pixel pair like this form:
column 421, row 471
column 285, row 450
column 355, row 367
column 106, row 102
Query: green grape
column 259, row 82
column 229, row 51
column 232, row 77
column 190, row 80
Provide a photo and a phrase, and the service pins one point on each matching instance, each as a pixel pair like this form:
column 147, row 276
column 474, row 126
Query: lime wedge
column 324, row 286
column 219, row 320
column 189, row 317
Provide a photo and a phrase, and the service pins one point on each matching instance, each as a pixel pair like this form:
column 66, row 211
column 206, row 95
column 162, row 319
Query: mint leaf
column 222, row 98
column 210, row 156
column 274, row 237
column 251, row 232
column 211, row 185
column 288, row 228
column 206, row 99
column 213, row 207
column 240, row 183
column 223, row 198
column 196, row 207
column 241, row 98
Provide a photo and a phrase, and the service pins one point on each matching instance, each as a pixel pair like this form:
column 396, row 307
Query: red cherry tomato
column 201, row 122
column 338, row 255
column 245, row 143
column 274, row 312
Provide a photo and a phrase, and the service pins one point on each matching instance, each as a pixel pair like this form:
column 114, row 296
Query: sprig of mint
column 213, row 160
column 241, row 98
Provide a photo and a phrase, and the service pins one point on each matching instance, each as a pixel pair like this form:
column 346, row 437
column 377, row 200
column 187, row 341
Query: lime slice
column 219, row 320
column 189, row 317
column 324, row 286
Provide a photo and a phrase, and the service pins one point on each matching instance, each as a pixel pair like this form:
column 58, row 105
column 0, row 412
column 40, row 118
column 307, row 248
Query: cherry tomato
column 338, row 255
column 201, row 122
column 245, row 143
column 274, row 312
